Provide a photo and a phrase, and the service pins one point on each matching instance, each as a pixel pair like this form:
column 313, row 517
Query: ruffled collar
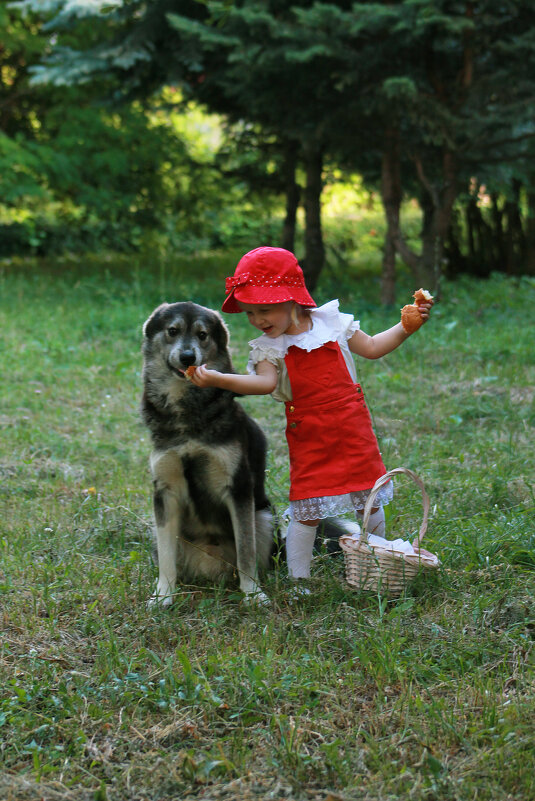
column 326, row 327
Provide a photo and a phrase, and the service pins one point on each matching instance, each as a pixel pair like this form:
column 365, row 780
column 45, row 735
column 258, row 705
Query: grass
column 343, row 696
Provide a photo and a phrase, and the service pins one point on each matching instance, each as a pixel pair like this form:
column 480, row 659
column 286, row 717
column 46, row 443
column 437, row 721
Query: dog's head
column 185, row 334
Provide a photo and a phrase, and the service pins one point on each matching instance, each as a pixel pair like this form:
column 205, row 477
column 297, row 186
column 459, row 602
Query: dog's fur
column 212, row 514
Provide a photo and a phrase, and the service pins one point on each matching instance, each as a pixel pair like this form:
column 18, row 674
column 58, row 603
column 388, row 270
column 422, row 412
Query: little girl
column 303, row 358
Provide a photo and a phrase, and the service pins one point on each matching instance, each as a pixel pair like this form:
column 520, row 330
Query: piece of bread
column 422, row 296
column 189, row 372
column 411, row 319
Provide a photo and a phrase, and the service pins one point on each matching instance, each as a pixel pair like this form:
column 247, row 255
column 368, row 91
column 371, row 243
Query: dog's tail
column 329, row 532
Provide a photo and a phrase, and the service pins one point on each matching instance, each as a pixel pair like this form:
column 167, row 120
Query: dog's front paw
column 159, row 600
column 163, row 596
column 257, row 598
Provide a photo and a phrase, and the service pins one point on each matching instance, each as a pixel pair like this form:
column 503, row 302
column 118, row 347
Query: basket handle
column 384, row 480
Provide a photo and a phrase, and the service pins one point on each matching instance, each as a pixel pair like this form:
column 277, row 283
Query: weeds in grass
column 427, row 697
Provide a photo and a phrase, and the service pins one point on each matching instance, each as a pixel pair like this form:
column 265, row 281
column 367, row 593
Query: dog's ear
column 221, row 332
column 152, row 325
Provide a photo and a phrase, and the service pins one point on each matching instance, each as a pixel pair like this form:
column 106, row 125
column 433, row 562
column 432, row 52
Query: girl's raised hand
column 425, row 308
column 414, row 315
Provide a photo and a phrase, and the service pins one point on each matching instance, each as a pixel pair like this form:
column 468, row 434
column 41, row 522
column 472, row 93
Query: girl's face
column 274, row 319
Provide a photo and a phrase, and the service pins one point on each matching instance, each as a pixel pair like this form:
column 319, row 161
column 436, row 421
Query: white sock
column 299, row 544
column 376, row 523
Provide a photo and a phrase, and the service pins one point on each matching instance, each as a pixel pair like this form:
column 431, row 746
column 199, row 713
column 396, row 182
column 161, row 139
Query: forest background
column 144, row 146
column 109, row 137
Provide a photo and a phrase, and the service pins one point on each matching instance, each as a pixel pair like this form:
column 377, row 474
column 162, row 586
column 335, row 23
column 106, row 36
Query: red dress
column 333, row 449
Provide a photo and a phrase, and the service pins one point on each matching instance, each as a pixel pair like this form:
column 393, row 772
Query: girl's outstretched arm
column 379, row 345
column 263, row 382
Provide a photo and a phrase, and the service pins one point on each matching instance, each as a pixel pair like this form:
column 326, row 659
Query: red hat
column 266, row 275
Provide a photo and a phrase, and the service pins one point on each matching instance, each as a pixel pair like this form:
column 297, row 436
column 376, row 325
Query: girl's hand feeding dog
column 202, row 376
column 262, row 382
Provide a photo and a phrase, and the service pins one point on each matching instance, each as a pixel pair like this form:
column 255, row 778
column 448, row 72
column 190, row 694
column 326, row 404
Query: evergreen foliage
column 425, row 97
column 80, row 171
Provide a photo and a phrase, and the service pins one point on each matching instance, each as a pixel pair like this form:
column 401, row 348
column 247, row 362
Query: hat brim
column 259, row 295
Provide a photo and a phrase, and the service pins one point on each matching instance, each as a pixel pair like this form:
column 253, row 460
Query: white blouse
column 329, row 324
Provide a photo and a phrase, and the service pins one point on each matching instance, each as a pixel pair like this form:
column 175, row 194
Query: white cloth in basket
column 398, row 545
column 404, row 546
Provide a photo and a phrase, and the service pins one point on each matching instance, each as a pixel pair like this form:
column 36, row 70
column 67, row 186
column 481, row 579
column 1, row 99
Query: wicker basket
column 383, row 569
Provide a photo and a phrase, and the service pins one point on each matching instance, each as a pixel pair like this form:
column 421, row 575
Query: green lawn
column 344, row 696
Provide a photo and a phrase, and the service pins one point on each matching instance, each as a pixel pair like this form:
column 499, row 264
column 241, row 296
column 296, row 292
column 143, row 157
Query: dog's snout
column 187, row 357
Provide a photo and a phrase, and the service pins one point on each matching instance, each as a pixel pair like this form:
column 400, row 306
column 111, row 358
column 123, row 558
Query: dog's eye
column 202, row 335
column 172, row 331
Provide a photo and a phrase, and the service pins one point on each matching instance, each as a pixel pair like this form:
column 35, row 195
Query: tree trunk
column 456, row 261
column 293, row 191
column 314, row 248
column 472, row 213
column 498, row 249
column 485, row 239
column 429, row 239
column 515, row 240
column 391, row 195
column 530, row 235
column 438, row 207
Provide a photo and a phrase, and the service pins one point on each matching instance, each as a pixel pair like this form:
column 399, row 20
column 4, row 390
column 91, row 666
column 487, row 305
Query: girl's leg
column 376, row 521
column 299, row 544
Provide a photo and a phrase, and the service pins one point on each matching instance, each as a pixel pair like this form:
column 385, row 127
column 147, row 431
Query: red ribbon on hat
column 241, row 280
column 234, row 281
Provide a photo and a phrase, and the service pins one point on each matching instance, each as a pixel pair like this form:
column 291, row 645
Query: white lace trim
column 332, row 505
column 328, row 325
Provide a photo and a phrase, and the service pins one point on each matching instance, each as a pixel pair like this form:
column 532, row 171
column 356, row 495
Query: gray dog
column 208, row 460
